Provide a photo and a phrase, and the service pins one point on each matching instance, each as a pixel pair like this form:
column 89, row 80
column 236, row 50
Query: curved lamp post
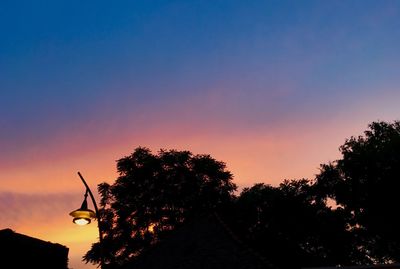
column 83, row 216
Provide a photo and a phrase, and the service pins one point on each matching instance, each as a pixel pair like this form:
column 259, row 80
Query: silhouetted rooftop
column 22, row 251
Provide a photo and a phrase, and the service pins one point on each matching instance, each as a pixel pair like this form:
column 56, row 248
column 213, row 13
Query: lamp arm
column 91, row 196
column 98, row 219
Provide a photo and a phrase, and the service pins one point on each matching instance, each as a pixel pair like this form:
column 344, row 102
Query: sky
column 272, row 88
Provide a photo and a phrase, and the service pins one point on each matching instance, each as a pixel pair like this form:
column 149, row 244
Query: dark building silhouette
column 205, row 243
column 21, row 251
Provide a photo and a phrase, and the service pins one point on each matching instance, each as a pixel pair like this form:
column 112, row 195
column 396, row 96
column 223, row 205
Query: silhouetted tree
column 289, row 226
column 295, row 224
column 153, row 195
column 365, row 182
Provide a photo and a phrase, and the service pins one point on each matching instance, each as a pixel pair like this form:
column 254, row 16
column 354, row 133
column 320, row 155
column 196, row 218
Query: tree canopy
column 154, row 194
column 345, row 216
column 365, row 182
column 291, row 229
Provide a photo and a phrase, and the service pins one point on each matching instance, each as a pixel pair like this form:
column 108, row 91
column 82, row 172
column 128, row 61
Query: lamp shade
column 83, row 215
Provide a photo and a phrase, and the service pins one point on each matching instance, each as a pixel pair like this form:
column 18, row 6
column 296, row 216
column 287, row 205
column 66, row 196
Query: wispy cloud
column 19, row 210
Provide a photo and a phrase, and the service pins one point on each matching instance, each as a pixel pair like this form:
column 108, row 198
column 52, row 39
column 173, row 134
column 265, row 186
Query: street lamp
column 83, row 216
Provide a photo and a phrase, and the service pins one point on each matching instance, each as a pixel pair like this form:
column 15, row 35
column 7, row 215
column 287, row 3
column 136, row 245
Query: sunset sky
column 272, row 88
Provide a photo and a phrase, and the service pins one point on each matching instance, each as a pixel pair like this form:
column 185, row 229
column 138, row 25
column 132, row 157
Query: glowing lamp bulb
column 81, row 221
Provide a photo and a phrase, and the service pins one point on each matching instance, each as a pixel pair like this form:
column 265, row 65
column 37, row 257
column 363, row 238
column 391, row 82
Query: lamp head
column 83, row 215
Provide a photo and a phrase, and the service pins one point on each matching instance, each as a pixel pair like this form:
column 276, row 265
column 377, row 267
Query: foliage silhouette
column 366, row 184
column 297, row 224
column 152, row 196
column 294, row 225
column 288, row 226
